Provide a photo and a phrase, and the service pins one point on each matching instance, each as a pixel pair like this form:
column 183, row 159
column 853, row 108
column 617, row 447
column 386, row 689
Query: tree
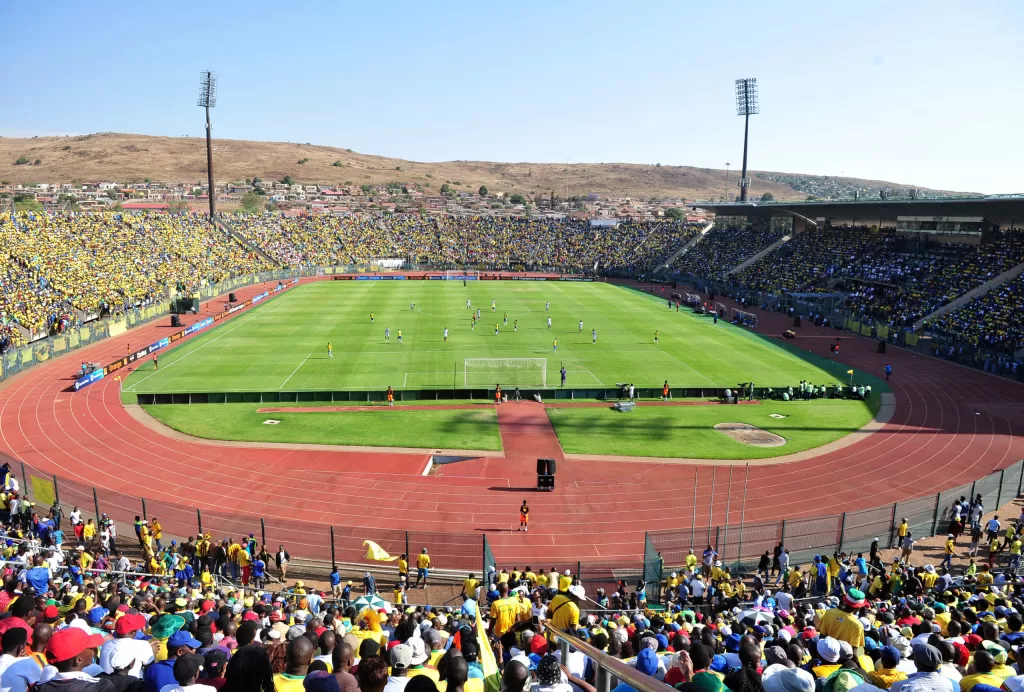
column 483, row 190
column 112, row 194
column 767, row 197
column 288, row 180
column 22, row 160
column 445, row 189
column 252, row 203
column 367, row 189
column 674, row 213
column 28, row 205
column 339, row 164
column 302, row 161
column 517, row 199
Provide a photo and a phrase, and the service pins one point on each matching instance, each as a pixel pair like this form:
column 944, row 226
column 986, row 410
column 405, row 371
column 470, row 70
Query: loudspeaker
column 796, row 321
column 231, row 298
column 551, row 467
column 545, row 482
column 542, row 467
column 175, row 321
column 881, row 347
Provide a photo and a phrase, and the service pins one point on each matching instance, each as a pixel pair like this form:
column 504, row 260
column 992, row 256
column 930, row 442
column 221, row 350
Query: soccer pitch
column 282, row 344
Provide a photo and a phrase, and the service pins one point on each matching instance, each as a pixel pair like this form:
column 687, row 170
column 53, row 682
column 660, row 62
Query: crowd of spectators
column 723, row 249
column 812, row 257
column 479, row 241
column 994, row 320
column 56, row 266
column 77, row 614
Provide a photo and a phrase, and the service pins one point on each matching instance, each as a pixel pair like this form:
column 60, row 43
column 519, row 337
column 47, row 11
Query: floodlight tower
column 207, row 100
column 746, row 105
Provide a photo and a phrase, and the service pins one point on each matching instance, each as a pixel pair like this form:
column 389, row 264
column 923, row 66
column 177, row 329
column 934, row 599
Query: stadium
column 366, row 437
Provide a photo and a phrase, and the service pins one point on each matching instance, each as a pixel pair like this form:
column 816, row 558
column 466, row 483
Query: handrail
column 608, row 667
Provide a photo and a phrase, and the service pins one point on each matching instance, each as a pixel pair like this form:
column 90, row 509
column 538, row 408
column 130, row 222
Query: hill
column 127, row 158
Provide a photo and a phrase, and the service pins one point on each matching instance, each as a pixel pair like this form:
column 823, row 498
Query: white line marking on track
column 294, row 371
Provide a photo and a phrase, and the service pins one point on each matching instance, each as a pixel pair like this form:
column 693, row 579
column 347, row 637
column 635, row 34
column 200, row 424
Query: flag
column 376, row 553
column 492, row 676
column 849, row 372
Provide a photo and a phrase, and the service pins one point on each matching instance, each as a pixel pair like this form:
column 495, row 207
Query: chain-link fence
column 319, row 546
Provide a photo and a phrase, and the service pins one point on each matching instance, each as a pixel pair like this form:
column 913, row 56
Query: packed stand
column 807, row 261
column 481, row 241
column 89, row 618
column 993, row 321
column 724, row 249
column 56, row 265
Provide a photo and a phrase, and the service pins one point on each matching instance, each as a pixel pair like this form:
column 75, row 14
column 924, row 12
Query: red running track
column 951, row 425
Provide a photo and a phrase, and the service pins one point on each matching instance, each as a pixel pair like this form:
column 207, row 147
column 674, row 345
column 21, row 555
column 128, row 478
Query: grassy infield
column 282, row 346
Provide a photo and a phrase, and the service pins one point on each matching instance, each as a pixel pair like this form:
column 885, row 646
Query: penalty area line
column 294, row 371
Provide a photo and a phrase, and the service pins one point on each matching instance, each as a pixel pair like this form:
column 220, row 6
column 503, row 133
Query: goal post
column 461, row 275
column 722, row 309
column 748, row 319
column 514, row 372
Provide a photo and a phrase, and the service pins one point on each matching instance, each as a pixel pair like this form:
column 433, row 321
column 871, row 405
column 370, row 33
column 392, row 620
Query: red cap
column 51, row 612
column 206, row 606
column 275, row 616
column 538, row 645
column 70, row 642
column 250, row 616
column 129, row 623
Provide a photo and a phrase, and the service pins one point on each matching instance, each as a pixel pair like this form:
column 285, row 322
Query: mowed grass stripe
column 261, row 353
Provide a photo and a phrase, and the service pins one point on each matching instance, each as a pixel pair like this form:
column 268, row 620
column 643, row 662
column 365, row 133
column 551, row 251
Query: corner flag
column 849, row 372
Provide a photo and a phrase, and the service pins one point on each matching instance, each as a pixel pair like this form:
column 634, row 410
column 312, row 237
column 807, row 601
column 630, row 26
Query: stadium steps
column 243, row 241
column 758, row 255
column 663, row 266
column 966, row 298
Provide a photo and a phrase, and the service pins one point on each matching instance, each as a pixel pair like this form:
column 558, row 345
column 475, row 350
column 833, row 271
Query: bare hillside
column 126, row 158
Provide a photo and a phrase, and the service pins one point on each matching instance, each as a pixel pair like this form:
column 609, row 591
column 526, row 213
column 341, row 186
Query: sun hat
column 828, row 649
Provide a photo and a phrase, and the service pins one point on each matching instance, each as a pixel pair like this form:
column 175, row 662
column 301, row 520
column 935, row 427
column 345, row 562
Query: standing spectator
column 281, row 559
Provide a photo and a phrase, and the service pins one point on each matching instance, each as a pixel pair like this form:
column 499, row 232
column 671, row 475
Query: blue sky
column 926, row 93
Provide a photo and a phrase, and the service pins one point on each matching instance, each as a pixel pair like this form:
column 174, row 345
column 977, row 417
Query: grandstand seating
column 723, row 249
column 994, row 320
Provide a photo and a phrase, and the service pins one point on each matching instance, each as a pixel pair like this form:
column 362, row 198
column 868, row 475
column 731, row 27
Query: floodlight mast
column 746, row 105
column 207, row 100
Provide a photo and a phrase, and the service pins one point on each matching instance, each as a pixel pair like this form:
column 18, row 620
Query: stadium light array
column 207, row 100
column 746, row 105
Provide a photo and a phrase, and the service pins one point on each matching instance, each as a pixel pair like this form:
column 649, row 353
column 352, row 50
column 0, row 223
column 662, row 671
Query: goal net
column 462, row 275
column 722, row 309
column 514, row 372
column 748, row 319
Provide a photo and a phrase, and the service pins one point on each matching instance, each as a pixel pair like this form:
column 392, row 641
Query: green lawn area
column 688, row 431
column 282, row 344
column 459, row 429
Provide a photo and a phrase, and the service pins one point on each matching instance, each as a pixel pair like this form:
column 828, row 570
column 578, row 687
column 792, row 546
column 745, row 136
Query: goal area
column 747, row 319
column 461, row 275
column 508, row 372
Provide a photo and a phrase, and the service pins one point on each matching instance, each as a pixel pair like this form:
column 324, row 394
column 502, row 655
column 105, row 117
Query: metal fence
column 743, row 544
column 319, row 546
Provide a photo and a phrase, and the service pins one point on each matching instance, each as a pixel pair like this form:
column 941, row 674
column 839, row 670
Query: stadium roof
column 1004, row 210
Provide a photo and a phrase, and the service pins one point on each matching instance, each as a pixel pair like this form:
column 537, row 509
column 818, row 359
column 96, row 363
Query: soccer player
column 472, row 324
column 387, row 334
column 371, row 318
column 156, row 365
column 581, row 326
column 554, row 344
column 391, row 396
column 495, row 329
column 446, row 334
column 562, row 373
column 330, row 350
column 593, row 335
column 494, row 305
column 524, row 517
column 467, row 304
column 478, row 313
column 412, row 306
column 665, row 391
column 505, row 319
column 399, row 336
column 515, row 326
column 549, row 323
column 547, row 305
column 656, row 333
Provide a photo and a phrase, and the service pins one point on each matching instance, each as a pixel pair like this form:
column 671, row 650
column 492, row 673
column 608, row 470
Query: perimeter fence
column 315, row 547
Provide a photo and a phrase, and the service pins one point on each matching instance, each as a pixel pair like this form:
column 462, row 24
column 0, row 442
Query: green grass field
column 282, row 346
column 458, row 429
column 689, row 431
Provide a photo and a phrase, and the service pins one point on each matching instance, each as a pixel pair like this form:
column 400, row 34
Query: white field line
column 294, row 371
column 228, row 331
column 689, row 367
